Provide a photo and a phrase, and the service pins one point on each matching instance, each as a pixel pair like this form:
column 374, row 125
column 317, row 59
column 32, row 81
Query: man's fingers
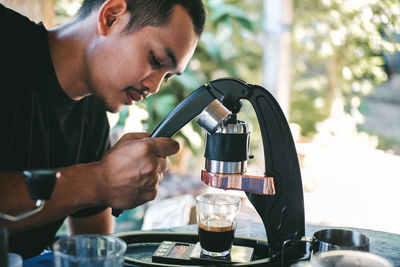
column 134, row 136
column 165, row 146
column 164, row 164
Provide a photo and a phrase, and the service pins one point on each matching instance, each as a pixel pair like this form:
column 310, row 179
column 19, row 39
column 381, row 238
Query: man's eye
column 154, row 61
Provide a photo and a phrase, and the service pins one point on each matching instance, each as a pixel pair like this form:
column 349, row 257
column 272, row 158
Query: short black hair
column 152, row 12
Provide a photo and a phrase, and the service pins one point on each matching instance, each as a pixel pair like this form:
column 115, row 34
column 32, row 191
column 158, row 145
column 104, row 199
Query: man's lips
column 135, row 94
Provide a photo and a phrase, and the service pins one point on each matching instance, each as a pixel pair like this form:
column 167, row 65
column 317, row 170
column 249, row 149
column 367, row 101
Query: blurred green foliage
column 338, row 48
column 65, row 10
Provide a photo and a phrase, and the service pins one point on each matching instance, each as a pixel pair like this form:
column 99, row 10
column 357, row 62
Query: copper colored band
column 248, row 183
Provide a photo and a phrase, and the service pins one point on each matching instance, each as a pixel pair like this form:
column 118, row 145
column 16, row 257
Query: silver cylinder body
column 216, row 166
column 239, row 167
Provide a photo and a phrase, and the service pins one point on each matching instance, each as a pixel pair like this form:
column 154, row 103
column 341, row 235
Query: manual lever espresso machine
column 278, row 194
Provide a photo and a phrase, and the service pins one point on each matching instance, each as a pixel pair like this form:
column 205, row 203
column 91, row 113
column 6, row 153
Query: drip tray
column 142, row 246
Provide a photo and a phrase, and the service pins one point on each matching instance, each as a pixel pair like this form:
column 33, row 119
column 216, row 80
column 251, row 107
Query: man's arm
column 74, row 190
column 102, row 222
column 126, row 177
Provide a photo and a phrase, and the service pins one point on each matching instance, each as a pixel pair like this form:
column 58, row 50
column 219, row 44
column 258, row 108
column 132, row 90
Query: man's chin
column 112, row 109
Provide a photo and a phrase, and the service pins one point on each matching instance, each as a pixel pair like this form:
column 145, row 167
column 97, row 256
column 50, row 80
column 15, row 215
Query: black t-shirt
column 41, row 127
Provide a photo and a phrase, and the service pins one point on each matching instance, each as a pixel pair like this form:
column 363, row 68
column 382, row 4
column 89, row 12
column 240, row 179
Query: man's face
column 122, row 68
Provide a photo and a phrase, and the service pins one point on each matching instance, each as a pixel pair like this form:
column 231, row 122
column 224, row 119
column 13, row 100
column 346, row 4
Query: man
column 55, row 88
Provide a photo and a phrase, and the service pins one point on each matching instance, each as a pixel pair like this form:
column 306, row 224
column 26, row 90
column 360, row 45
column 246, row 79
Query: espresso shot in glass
column 216, row 219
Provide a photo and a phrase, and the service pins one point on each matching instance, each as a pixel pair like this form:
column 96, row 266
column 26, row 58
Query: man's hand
column 132, row 170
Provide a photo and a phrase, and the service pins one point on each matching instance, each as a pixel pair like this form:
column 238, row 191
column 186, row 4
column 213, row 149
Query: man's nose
column 153, row 82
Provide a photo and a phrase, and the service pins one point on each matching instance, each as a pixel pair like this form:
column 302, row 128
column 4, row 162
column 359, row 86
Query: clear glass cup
column 89, row 250
column 216, row 219
column 14, row 260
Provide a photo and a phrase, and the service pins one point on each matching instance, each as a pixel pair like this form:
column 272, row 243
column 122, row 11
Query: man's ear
column 109, row 14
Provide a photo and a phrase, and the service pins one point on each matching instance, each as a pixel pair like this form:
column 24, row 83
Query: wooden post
column 278, row 15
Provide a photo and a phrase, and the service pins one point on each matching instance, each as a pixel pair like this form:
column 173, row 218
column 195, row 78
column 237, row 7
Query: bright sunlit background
column 333, row 65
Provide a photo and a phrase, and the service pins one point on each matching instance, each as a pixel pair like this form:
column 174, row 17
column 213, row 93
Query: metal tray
column 142, row 245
